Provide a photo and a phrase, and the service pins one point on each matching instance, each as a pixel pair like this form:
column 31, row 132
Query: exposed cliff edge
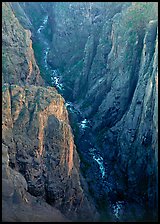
column 18, row 60
column 40, row 162
column 41, row 147
column 109, row 71
column 104, row 60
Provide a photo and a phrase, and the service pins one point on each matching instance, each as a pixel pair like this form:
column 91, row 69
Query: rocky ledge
column 41, row 147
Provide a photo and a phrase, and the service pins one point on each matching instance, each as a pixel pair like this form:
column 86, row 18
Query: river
column 84, row 126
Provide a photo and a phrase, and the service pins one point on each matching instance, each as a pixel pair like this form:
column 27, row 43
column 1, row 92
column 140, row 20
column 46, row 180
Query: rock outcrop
column 41, row 147
column 129, row 119
column 18, row 62
column 114, row 75
column 133, row 139
column 80, row 34
column 122, row 103
column 17, row 204
column 107, row 55
column 40, row 163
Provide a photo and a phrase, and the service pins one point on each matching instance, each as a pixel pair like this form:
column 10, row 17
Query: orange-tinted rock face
column 41, row 147
column 38, row 138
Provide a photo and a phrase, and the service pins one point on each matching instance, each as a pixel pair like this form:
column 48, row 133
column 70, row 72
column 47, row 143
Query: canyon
column 80, row 111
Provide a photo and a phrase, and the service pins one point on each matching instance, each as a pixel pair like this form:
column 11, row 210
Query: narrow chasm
column 110, row 48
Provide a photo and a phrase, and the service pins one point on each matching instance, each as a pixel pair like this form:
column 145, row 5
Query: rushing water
column 84, row 124
column 43, row 24
column 45, row 58
column 118, row 209
column 55, row 80
column 93, row 151
column 98, row 159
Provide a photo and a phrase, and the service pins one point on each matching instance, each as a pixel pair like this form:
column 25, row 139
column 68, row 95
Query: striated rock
column 138, row 129
column 133, row 139
column 21, row 15
column 79, row 34
column 35, row 123
column 25, row 12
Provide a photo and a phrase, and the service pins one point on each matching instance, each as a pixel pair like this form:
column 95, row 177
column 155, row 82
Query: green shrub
column 139, row 14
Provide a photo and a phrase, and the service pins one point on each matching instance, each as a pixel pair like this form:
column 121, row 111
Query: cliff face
column 17, row 203
column 123, row 107
column 107, row 55
column 133, row 139
column 18, row 62
column 25, row 12
column 111, row 76
column 126, row 118
column 41, row 147
column 41, row 165
column 80, row 34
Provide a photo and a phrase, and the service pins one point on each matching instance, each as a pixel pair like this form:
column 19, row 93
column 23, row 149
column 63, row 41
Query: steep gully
column 86, row 140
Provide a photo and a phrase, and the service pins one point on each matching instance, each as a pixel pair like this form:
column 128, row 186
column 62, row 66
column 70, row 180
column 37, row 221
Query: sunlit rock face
column 41, row 172
column 104, row 60
column 41, row 147
column 114, row 74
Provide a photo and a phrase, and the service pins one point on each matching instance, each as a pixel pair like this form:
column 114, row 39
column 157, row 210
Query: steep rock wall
column 80, row 34
column 107, row 54
column 17, row 203
column 41, row 147
column 114, row 75
column 18, row 62
column 134, row 138
column 38, row 138
column 122, row 103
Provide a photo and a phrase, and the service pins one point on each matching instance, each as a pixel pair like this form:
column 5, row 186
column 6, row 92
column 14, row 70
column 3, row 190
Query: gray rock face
column 18, row 62
column 75, row 40
column 114, row 79
column 108, row 57
column 29, row 13
column 40, row 164
column 17, row 204
column 134, row 137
